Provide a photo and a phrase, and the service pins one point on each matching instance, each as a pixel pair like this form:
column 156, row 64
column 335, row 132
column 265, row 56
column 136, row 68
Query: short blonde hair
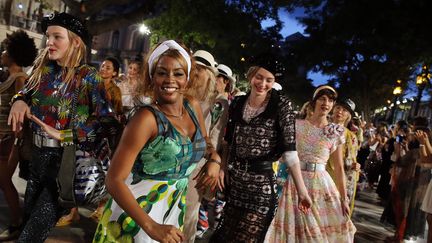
column 195, row 82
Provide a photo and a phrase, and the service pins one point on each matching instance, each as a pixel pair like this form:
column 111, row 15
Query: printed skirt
column 324, row 221
column 163, row 201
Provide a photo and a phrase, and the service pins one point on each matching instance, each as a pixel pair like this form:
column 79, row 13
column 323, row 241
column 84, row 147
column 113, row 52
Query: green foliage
column 219, row 27
column 367, row 45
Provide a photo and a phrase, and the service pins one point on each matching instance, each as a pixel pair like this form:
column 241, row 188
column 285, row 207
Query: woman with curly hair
column 19, row 51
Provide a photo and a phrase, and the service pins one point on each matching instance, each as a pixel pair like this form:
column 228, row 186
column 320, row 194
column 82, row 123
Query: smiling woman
column 260, row 130
column 160, row 146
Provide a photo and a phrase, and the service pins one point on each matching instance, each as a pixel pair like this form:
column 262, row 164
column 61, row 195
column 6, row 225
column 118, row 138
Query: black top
column 266, row 136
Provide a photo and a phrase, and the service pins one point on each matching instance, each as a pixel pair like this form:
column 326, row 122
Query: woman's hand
column 165, row 233
column 17, row 114
column 356, row 167
column 208, row 177
column 421, row 136
column 222, row 178
column 304, row 201
column 345, row 207
column 52, row 132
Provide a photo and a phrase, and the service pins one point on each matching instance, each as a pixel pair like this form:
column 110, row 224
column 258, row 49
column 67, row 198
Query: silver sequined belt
column 312, row 167
column 41, row 140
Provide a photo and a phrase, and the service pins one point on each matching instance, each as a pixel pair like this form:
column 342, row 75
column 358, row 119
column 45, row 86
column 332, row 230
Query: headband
column 203, row 60
column 162, row 48
column 321, row 88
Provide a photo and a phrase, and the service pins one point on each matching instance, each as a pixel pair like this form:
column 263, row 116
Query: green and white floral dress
column 158, row 182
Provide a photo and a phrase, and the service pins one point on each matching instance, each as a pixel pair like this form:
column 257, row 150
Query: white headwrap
column 162, row 48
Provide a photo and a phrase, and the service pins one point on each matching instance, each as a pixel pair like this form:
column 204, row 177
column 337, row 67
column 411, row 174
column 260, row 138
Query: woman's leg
column 8, row 164
column 429, row 221
column 41, row 199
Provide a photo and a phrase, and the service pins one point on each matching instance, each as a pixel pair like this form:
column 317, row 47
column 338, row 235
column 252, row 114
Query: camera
column 399, row 138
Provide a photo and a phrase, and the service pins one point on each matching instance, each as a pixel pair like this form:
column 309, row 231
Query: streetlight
column 397, row 91
column 423, row 79
column 144, row 30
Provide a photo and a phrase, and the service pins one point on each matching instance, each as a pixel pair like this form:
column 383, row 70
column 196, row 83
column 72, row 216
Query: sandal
column 97, row 215
column 68, row 219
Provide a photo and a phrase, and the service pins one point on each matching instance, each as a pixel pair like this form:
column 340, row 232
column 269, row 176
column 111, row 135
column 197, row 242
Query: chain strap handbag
column 66, row 174
column 81, row 178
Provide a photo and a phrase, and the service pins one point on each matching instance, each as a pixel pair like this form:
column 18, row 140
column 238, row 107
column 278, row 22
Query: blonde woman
column 129, row 85
column 342, row 113
column 46, row 100
column 202, row 87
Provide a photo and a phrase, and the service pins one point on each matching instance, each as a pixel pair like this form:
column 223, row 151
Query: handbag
column 81, row 176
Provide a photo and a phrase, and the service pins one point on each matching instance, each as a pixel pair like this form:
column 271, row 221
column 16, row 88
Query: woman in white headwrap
column 160, row 147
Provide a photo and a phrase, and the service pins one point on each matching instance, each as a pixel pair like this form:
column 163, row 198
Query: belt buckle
column 37, row 140
column 240, row 167
column 312, row 167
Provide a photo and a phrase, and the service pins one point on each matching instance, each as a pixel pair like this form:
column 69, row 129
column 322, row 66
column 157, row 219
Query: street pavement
column 366, row 217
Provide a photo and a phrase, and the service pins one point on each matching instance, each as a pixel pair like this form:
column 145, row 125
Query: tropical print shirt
column 52, row 103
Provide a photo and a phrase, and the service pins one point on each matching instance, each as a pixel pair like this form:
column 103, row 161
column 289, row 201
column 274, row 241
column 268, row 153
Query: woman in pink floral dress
column 328, row 219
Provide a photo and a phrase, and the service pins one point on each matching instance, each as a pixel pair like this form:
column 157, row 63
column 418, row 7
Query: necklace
column 180, row 116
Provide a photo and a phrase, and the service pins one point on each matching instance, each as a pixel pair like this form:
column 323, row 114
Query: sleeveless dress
column 7, row 91
column 324, row 222
column 349, row 153
column 159, row 182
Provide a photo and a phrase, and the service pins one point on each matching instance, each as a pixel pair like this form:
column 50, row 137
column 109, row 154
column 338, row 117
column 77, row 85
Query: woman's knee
column 5, row 176
column 429, row 218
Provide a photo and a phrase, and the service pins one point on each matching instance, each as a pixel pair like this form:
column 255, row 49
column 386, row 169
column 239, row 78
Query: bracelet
column 421, row 145
column 344, row 199
column 17, row 97
column 66, row 137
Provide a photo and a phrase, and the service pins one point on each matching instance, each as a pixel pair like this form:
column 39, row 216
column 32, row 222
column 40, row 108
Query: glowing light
column 397, row 90
column 143, row 29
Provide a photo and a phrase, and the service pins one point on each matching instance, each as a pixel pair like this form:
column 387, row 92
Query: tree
column 218, row 26
column 366, row 45
column 228, row 30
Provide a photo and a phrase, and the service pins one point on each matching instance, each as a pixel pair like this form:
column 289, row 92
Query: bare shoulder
column 194, row 103
column 144, row 119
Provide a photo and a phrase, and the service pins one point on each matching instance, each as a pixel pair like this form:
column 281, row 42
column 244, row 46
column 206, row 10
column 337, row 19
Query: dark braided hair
column 20, row 48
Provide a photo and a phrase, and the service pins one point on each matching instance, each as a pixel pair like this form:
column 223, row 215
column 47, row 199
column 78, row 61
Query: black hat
column 67, row 21
column 268, row 62
column 347, row 104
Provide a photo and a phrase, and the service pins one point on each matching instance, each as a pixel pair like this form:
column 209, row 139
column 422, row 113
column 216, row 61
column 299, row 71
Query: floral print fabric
column 324, row 221
column 52, row 102
column 158, row 182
